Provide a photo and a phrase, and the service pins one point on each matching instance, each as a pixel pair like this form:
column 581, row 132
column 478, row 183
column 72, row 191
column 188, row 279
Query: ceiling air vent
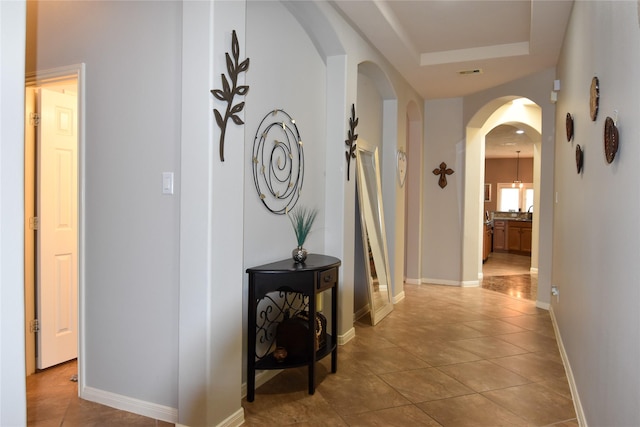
column 468, row 72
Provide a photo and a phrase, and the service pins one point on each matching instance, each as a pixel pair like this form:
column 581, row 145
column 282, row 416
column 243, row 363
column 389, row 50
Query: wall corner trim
column 577, row 404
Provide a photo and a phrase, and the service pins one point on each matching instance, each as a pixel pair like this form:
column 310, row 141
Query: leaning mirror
column 374, row 241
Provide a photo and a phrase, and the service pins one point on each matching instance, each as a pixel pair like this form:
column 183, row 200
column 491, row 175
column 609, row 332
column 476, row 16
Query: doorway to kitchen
column 508, row 211
column 509, row 110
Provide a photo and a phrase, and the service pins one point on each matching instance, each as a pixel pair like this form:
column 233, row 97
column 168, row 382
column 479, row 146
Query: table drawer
column 328, row 278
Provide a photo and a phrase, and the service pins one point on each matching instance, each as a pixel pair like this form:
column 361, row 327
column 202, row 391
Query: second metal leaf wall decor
column 352, row 138
column 230, row 90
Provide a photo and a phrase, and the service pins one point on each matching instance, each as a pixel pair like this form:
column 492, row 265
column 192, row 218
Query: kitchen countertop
column 512, row 216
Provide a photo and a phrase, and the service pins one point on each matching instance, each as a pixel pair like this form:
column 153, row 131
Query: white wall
column 595, row 256
column 132, row 53
column 13, row 410
column 413, row 195
column 286, row 72
column 442, row 207
column 369, row 112
column 162, row 272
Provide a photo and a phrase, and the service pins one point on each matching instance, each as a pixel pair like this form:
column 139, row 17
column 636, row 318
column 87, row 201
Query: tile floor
column 445, row 356
column 510, row 274
column 52, row 400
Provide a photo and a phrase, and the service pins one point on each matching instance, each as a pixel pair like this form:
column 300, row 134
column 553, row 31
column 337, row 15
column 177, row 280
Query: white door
column 57, row 210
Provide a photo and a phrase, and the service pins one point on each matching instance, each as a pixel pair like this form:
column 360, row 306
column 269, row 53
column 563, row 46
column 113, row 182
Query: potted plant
column 302, row 219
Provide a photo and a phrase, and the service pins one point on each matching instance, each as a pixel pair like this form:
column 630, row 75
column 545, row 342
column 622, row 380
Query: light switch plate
column 167, row 182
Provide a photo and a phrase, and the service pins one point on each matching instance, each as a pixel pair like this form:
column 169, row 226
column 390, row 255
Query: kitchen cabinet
column 519, row 237
column 499, row 235
column 486, row 247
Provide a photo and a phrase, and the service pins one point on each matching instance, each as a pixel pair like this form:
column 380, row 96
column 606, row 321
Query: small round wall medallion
column 569, row 125
column 611, row 139
column 579, row 157
column 594, row 98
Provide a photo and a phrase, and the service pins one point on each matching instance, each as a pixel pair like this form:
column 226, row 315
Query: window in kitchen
column 515, row 199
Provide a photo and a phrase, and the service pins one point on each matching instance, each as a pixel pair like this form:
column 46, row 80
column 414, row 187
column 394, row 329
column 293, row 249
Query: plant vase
column 299, row 254
column 302, row 220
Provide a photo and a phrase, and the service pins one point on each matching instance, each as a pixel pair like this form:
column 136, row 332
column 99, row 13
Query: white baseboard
column 398, row 297
column 582, row 421
column 129, row 404
column 361, row 312
column 470, row 283
column 412, row 281
column 348, row 336
column 234, row 420
column 464, row 284
column 543, row 305
column 533, row 270
column 440, row 282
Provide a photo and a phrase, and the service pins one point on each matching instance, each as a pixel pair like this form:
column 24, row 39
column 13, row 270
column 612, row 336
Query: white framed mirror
column 374, row 241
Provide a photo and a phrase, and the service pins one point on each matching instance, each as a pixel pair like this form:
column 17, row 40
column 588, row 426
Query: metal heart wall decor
column 402, row 167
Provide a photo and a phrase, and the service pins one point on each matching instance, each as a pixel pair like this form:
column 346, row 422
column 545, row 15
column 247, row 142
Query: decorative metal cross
column 443, row 172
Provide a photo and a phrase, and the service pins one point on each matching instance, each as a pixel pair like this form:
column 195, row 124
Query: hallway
column 446, row 356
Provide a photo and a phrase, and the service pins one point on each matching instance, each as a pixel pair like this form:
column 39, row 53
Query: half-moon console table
column 280, row 289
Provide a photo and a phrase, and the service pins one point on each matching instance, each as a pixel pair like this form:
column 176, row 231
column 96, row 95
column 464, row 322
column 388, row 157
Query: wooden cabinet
column 519, row 237
column 499, row 235
column 512, row 236
column 486, row 247
column 278, row 290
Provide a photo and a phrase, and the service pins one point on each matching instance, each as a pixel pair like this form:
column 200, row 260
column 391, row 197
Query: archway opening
column 527, row 115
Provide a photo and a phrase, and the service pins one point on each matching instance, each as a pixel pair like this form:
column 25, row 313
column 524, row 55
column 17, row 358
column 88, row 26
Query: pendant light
column 517, row 180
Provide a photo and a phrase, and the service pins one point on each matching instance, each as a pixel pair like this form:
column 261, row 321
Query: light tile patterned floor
column 52, row 400
column 446, row 356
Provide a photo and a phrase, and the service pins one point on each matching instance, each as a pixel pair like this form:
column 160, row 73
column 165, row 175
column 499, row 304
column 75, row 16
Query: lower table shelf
column 270, row 362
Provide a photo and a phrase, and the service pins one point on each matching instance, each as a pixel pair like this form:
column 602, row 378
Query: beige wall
column 504, row 170
column 596, row 227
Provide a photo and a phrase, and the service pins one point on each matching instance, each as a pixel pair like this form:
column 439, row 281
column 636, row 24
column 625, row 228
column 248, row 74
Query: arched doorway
column 510, row 109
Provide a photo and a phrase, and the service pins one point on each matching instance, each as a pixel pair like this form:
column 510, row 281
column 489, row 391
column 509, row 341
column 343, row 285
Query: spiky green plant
column 302, row 219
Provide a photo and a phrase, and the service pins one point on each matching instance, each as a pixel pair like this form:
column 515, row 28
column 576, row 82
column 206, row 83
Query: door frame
column 45, row 78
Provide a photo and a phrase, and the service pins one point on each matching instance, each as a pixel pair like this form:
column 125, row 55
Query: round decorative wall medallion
column 594, row 101
column 569, row 125
column 579, row 157
column 278, row 162
column 611, row 139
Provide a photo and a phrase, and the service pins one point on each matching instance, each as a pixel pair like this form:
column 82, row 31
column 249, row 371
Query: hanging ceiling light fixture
column 517, row 180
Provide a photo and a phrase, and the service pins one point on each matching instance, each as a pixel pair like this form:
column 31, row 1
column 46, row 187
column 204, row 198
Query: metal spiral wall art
column 229, row 91
column 278, row 162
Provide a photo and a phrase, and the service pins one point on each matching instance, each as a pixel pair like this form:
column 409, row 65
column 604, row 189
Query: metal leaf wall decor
column 230, row 90
column 352, row 137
